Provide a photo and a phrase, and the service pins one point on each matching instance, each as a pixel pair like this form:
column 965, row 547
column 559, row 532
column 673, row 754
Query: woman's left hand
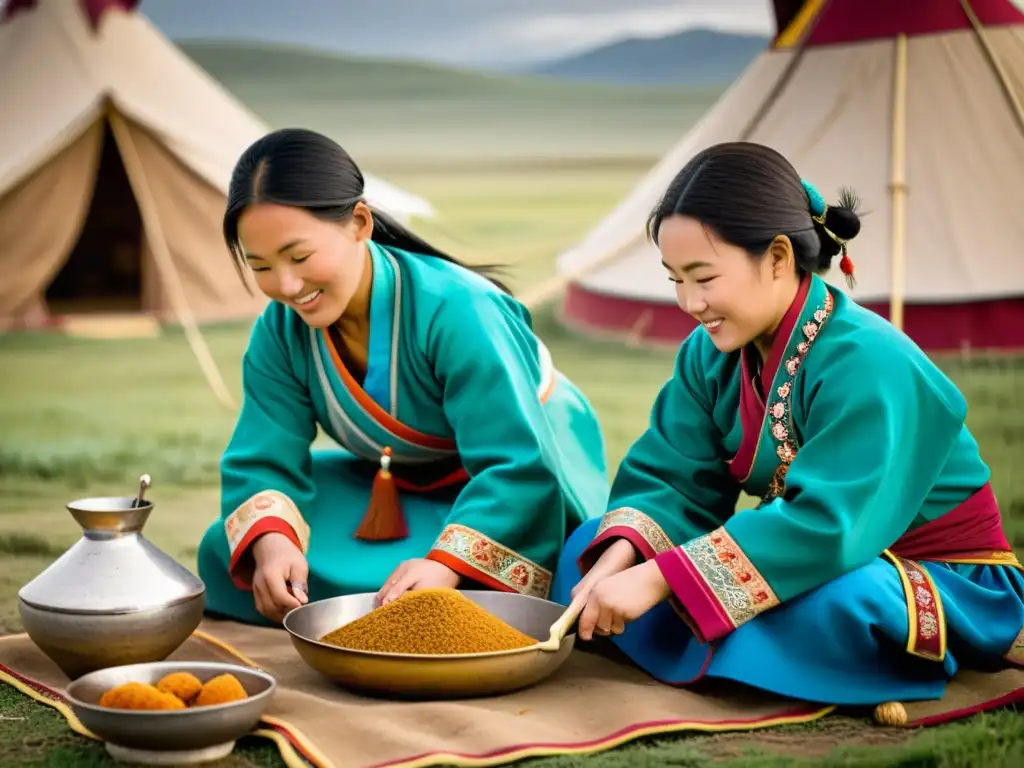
column 416, row 574
column 621, row 598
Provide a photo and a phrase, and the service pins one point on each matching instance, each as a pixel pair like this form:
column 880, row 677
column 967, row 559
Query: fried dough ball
column 139, row 696
column 220, row 690
column 184, row 685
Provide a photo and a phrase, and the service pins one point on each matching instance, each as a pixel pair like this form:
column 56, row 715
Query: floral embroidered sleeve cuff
column 266, row 512
column 474, row 556
column 715, row 583
column 626, row 523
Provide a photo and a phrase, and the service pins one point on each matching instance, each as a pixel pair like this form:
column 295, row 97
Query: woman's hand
column 279, row 564
column 416, row 574
column 626, row 596
column 619, row 556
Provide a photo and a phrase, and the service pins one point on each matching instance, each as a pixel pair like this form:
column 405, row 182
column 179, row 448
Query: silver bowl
column 179, row 736
column 435, row 676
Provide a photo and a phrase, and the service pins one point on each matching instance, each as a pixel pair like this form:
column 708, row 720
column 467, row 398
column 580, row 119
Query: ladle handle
column 569, row 615
column 144, row 482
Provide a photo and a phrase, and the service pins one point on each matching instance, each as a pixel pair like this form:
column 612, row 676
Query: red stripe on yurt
column 979, row 325
column 853, row 21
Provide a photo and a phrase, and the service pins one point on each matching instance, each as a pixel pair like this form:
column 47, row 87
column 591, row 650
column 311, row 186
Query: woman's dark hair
column 748, row 194
column 300, row 168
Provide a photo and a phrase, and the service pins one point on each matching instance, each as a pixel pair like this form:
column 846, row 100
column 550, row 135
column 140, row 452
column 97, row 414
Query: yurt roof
column 917, row 97
column 62, row 60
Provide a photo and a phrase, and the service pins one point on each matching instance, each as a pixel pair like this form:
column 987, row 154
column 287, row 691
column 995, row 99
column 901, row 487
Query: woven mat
column 314, row 722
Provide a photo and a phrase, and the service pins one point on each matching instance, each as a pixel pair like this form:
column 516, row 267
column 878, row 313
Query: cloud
column 450, row 31
column 528, row 30
column 594, row 28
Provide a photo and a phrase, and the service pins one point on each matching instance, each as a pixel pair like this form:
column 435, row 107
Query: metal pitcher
column 113, row 598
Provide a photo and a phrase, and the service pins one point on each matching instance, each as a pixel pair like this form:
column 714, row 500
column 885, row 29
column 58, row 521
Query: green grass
column 396, row 113
column 69, row 433
column 36, row 736
column 86, row 417
column 79, row 412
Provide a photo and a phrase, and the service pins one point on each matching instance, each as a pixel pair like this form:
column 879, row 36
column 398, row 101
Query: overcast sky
column 451, row 31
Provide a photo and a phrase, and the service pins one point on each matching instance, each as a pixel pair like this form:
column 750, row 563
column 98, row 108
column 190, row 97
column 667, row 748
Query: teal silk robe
column 456, row 381
column 853, row 440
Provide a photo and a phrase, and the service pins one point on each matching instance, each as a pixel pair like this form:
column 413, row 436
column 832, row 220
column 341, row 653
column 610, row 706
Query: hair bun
column 842, row 218
column 843, row 222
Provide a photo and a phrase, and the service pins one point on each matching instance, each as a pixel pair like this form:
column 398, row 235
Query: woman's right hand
column 620, row 555
column 279, row 563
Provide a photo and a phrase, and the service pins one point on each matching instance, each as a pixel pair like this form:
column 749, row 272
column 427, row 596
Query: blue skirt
column 843, row 643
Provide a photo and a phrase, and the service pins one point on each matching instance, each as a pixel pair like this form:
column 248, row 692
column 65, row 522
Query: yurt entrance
column 103, row 274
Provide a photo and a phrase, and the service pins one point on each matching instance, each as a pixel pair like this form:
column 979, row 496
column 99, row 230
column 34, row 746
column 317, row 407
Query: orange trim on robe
column 386, row 420
column 389, row 422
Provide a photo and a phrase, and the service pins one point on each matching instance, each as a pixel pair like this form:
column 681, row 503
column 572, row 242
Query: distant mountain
column 693, row 57
column 394, row 112
column 295, row 74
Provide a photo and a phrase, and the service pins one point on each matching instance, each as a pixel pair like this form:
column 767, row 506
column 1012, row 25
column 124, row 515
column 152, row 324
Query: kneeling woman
column 466, row 459
column 876, row 562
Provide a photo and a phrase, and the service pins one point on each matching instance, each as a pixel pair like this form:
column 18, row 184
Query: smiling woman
column 737, row 274
column 876, row 563
column 464, row 456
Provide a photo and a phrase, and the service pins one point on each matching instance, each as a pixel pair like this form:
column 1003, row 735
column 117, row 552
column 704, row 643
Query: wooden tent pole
column 898, row 184
column 164, row 261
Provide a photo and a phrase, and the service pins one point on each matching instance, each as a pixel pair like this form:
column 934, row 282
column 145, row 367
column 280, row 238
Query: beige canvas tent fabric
column 61, row 84
column 832, row 116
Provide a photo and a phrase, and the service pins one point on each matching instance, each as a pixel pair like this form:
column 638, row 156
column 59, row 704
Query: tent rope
column 993, row 60
column 807, row 27
column 165, row 263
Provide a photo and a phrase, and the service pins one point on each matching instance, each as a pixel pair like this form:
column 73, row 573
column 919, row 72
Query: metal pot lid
column 119, row 575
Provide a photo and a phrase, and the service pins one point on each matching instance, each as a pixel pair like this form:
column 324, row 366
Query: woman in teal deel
column 876, row 562
column 464, row 456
